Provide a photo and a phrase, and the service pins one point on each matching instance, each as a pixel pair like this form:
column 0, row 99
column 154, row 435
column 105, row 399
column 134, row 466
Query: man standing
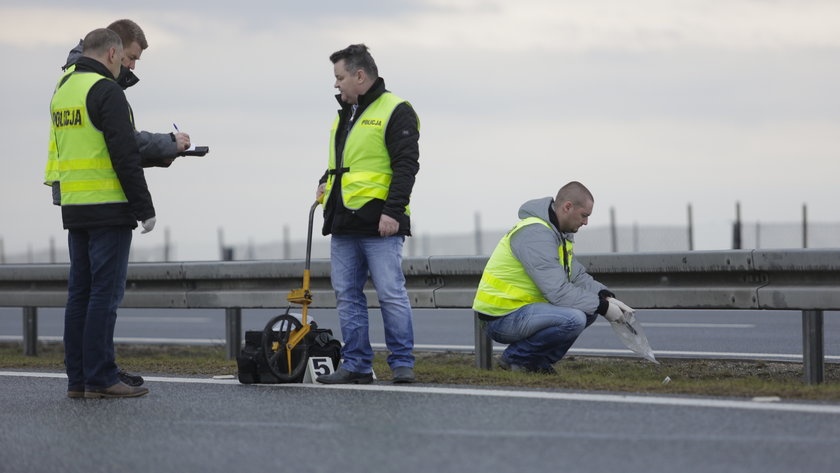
column 156, row 149
column 373, row 161
column 533, row 295
column 103, row 195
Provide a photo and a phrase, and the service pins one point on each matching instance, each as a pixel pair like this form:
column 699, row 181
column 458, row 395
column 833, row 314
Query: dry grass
column 696, row 377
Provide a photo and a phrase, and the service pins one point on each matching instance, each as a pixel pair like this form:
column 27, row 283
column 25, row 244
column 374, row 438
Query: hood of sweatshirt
column 544, row 209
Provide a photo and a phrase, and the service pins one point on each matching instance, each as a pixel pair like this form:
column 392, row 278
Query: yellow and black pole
column 286, row 332
column 302, row 296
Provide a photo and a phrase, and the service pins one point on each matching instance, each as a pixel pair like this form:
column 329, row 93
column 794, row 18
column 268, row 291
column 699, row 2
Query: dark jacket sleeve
column 156, row 149
column 402, row 140
column 109, row 113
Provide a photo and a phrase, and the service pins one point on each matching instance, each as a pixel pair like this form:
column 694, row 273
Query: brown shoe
column 76, row 392
column 118, row 390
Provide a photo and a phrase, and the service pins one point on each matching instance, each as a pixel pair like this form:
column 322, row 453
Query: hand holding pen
column 182, row 140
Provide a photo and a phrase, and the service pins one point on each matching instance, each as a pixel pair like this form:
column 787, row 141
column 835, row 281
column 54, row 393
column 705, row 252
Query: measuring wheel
column 285, row 349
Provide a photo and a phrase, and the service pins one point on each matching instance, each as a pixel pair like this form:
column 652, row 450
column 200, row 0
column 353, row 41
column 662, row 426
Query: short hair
column 99, row 41
column 356, row 56
column 130, row 32
column 574, row 192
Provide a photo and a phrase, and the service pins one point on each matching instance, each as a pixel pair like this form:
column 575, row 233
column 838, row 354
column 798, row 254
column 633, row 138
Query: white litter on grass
column 666, row 380
column 766, row 399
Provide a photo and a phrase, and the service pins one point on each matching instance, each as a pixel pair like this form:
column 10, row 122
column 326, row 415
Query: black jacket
column 401, row 140
column 109, row 112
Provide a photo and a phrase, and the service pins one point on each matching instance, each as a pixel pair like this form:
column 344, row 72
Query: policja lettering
column 371, row 122
column 68, row 117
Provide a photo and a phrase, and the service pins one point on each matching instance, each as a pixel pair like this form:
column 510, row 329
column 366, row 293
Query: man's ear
column 567, row 206
column 361, row 76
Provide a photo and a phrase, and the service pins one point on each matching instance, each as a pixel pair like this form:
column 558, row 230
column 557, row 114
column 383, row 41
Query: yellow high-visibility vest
column 504, row 285
column 84, row 165
column 366, row 165
column 51, row 171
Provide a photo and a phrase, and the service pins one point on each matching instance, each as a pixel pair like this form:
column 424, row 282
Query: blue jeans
column 95, row 288
column 352, row 259
column 538, row 334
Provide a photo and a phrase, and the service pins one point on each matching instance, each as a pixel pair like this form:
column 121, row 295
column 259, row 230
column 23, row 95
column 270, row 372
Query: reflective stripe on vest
column 366, row 164
column 51, row 170
column 84, row 166
column 504, row 285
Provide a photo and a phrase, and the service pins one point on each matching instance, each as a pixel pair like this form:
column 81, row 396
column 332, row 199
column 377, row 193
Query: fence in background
column 806, row 280
column 628, row 239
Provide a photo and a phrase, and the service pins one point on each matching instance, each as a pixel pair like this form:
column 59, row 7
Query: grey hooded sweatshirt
column 536, row 247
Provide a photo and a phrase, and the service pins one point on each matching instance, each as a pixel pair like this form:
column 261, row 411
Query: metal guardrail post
column 233, row 331
column 30, row 331
column 483, row 346
column 813, row 346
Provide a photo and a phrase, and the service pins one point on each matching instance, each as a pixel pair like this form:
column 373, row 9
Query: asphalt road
column 223, row 426
column 696, row 333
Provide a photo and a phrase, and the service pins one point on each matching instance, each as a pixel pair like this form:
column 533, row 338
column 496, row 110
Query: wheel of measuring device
column 275, row 336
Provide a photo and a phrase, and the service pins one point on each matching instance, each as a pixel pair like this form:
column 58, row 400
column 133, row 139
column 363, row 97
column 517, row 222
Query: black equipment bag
column 253, row 368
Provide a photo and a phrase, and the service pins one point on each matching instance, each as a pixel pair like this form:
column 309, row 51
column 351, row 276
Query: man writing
column 156, row 149
column 533, row 295
column 103, row 195
column 372, row 164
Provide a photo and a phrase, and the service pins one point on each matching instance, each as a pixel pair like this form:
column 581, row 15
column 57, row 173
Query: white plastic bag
column 631, row 334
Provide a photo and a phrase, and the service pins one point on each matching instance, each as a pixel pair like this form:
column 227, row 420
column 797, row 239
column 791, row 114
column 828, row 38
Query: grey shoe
column 508, row 366
column 343, row 376
column 115, row 391
column 403, row 375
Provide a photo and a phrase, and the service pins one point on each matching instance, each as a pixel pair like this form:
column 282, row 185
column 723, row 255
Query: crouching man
column 533, row 295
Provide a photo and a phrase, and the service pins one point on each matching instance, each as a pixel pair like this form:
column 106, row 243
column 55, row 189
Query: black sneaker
column 130, row 379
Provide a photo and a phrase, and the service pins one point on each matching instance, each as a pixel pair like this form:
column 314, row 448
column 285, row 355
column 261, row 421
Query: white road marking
column 683, row 325
column 542, row 395
column 610, row 351
column 145, row 319
column 470, row 348
column 160, row 341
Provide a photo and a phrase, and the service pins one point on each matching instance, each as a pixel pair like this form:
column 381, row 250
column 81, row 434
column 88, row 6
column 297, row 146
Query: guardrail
column 807, row 280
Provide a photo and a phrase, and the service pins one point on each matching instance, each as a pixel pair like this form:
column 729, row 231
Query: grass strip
column 731, row 378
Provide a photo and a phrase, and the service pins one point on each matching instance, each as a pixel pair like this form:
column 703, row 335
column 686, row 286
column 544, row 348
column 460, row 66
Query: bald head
column 574, row 192
column 572, row 206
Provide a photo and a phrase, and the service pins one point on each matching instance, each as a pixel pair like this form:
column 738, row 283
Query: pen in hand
column 184, row 137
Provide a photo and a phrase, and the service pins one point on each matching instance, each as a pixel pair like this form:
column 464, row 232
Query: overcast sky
column 653, row 104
